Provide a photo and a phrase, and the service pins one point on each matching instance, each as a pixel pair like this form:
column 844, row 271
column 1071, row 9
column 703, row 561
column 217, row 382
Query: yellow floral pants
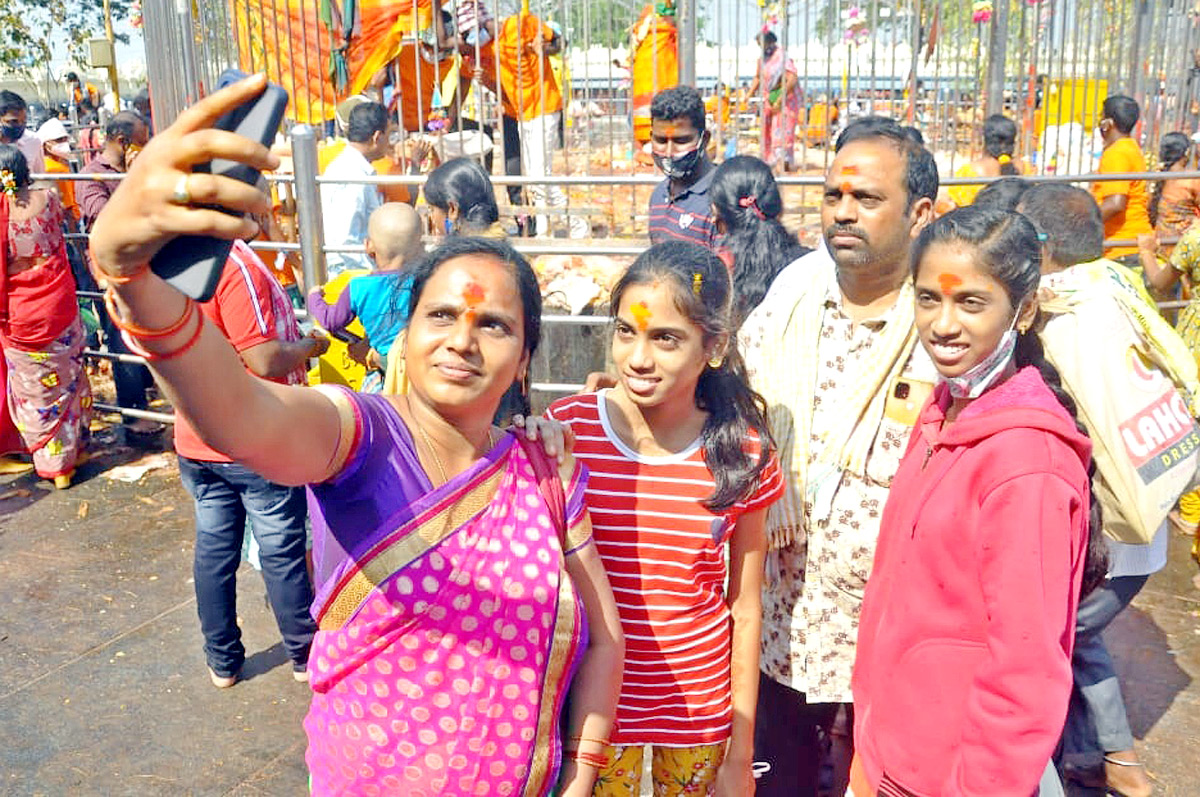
column 1189, row 511
column 675, row 771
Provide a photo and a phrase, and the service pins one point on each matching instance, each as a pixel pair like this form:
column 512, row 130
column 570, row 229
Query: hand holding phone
column 193, row 263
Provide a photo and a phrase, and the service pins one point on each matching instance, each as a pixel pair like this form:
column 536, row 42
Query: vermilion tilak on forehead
column 847, row 188
column 473, row 296
column 641, row 315
column 851, row 169
column 949, row 282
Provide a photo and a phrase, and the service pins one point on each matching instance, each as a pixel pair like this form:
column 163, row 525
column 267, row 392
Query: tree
column 35, row 30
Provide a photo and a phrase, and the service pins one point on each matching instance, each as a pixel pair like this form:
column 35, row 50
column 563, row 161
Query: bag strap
column 549, row 484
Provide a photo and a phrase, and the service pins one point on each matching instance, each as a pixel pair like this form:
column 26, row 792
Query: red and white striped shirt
column 664, row 553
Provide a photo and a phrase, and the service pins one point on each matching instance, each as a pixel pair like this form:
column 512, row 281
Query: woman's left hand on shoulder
column 558, row 441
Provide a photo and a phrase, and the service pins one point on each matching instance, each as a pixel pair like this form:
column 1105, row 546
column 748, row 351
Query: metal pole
column 997, row 52
column 187, row 41
column 686, row 14
column 308, row 206
column 113, row 78
column 1134, row 87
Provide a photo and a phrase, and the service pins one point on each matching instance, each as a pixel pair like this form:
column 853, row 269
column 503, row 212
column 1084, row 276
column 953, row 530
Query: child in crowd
column 963, row 669
column 378, row 299
column 681, row 471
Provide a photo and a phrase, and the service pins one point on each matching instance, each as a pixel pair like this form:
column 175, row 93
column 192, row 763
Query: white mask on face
column 61, row 149
column 984, row 373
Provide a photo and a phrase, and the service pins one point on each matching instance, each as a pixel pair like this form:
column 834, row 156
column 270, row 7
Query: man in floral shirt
column 832, row 349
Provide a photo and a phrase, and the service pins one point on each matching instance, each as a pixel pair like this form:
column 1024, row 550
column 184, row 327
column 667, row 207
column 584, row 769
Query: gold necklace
column 438, row 460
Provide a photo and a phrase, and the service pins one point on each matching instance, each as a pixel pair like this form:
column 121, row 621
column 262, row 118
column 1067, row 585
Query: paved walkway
column 103, row 688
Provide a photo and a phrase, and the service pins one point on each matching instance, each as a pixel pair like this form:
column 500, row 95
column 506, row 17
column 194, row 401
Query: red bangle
column 591, row 759
column 146, row 332
column 115, row 279
column 157, row 357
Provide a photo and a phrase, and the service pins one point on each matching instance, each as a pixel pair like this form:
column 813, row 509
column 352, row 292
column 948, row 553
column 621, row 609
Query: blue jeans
column 1096, row 720
column 225, row 494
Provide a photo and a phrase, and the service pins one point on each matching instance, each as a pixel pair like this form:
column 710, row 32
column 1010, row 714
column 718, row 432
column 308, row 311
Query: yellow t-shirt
column 1124, row 155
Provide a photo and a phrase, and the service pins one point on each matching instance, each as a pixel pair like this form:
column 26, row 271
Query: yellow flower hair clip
column 697, row 282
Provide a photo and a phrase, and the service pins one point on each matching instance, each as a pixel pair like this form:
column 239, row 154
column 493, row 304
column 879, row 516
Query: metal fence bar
column 308, row 205
column 149, row 415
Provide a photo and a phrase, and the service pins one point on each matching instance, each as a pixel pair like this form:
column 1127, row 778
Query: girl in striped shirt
column 681, row 472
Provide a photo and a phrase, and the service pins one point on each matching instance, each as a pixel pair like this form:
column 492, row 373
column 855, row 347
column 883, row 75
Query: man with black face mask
column 679, row 206
column 13, row 115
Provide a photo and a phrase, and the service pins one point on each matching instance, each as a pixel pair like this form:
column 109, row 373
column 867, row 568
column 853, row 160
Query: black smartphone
column 344, row 335
column 193, row 263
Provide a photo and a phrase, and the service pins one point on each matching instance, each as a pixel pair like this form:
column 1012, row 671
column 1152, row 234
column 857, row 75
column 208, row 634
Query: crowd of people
column 847, row 520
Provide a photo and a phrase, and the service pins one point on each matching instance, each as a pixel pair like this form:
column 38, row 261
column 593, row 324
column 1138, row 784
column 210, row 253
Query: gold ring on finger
column 181, row 195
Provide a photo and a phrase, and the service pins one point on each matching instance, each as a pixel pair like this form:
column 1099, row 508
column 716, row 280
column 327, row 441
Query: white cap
column 51, row 130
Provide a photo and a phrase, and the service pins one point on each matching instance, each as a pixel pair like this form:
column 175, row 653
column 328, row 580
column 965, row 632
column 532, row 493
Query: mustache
column 845, row 229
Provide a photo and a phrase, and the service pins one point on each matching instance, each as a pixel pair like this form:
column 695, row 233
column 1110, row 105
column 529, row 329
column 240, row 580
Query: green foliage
column 603, row 23
column 35, row 30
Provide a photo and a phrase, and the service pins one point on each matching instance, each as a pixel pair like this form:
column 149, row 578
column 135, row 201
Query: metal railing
column 304, row 183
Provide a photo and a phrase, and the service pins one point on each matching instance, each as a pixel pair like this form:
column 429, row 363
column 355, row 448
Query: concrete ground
column 103, row 688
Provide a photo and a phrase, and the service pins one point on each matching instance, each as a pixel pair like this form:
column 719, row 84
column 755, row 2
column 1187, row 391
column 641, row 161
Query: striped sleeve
column 770, row 486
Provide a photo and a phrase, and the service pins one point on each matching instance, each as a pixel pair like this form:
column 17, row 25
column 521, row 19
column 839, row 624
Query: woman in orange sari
column 654, row 62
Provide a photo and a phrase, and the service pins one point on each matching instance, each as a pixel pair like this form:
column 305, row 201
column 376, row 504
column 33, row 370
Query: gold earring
column 715, row 361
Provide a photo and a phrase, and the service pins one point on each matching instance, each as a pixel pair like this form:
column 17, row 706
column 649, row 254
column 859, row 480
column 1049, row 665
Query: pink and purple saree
column 449, row 628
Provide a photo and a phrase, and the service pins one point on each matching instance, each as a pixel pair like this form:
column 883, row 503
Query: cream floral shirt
column 814, row 588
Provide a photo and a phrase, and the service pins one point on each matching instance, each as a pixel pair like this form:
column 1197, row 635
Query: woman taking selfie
column 461, row 604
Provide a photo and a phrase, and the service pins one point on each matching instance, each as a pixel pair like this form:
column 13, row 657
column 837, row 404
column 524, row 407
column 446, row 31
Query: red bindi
column 847, row 188
column 949, row 282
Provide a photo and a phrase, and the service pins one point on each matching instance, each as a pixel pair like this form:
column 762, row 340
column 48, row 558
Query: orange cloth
column 1124, row 155
column 393, row 193
column 485, row 65
column 418, row 78
column 66, row 189
column 527, row 80
column 655, row 66
column 287, row 40
column 1178, row 209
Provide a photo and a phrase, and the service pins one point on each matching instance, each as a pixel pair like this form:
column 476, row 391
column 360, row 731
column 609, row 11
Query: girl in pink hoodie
column 963, row 669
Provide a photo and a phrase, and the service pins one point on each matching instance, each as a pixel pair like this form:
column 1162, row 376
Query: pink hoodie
column 964, row 645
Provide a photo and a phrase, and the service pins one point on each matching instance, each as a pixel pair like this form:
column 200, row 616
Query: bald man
column 379, row 300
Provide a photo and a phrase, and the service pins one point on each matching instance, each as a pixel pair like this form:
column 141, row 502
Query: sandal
column 1130, row 776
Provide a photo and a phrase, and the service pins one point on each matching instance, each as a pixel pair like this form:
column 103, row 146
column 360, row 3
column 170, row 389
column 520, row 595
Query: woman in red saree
column 462, row 606
column 48, row 393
